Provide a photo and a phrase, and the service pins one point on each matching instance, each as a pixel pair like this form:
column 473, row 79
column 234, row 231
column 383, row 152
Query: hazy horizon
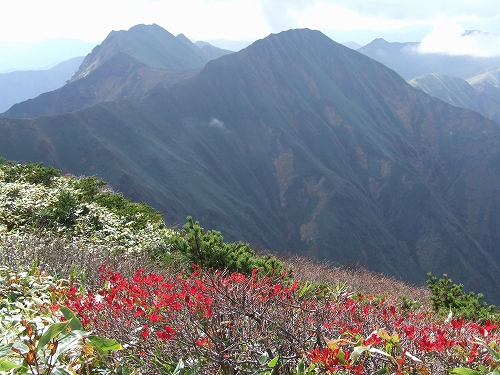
column 249, row 20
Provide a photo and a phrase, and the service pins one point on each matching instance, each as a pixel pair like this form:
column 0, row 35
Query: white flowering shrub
column 45, row 213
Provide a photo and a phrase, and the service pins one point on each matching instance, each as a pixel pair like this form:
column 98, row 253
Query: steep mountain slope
column 487, row 83
column 405, row 59
column 460, row 93
column 25, row 84
column 127, row 65
column 298, row 143
column 207, row 49
column 150, row 45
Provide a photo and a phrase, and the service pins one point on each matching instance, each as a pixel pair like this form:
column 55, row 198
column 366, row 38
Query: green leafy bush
column 33, row 173
column 493, row 368
column 137, row 214
column 227, row 322
column 34, row 340
column 447, row 297
column 209, row 250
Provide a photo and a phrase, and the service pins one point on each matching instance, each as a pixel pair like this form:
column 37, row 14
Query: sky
column 439, row 24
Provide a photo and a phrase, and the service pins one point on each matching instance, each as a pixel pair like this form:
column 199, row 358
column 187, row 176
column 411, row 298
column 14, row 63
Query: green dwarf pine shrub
column 447, row 296
column 137, row 214
column 33, row 173
column 209, row 250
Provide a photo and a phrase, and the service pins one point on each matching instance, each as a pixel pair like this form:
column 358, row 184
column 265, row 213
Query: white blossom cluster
column 23, row 207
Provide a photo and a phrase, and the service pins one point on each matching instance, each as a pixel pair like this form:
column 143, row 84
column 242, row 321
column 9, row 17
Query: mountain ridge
column 121, row 67
column 148, row 44
column 41, row 55
column 460, row 93
column 407, row 61
column 21, row 85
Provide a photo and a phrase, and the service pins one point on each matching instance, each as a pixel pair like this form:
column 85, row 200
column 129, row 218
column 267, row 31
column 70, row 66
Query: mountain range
column 409, row 62
column 465, row 81
column 21, row 85
column 480, row 93
column 295, row 143
column 127, row 65
column 41, row 55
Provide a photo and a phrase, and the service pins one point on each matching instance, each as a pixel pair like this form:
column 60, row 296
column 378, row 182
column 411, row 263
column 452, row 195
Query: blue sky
column 442, row 22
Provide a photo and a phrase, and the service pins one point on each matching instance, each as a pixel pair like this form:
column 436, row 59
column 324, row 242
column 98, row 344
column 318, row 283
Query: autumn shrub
column 357, row 279
column 38, row 337
column 234, row 312
column 216, row 322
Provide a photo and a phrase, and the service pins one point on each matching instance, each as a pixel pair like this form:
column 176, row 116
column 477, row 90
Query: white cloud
column 323, row 15
column 92, row 20
column 284, row 14
column 422, row 9
column 216, row 123
column 452, row 39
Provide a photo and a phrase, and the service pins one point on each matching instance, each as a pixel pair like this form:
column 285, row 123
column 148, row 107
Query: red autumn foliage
column 227, row 322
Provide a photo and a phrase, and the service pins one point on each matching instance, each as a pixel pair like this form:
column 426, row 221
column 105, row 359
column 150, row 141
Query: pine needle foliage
column 209, row 249
column 447, row 297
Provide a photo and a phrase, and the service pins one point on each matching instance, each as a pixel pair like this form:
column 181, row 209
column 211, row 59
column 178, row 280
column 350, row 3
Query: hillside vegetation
column 91, row 282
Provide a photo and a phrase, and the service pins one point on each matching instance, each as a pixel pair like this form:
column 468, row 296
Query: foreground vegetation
column 93, row 283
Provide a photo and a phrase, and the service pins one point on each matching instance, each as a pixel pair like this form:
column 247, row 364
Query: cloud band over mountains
column 452, row 39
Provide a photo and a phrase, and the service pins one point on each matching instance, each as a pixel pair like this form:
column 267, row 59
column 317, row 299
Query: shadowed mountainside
column 298, row 143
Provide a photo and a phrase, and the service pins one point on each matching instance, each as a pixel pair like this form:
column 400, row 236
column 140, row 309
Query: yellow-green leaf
column 8, row 365
column 103, row 344
column 74, row 324
column 273, row 362
column 51, row 332
column 382, row 333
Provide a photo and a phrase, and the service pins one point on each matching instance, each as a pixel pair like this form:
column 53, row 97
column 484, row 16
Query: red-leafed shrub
column 232, row 323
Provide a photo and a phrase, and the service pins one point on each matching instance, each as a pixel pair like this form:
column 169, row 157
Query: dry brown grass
column 59, row 257
column 357, row 279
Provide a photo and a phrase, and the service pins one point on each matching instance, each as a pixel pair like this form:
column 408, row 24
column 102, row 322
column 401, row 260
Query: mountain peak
column 150, row 45
column 126, row 65
column 185, row 40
